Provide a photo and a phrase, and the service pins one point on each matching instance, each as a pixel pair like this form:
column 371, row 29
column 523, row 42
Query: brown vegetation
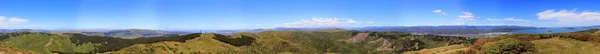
column 481, row 42
column 358, row 38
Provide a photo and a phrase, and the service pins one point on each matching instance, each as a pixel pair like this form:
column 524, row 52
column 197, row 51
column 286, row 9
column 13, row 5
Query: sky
column 257, row 14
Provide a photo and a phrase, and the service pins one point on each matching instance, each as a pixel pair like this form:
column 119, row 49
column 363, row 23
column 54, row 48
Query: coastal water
column 550, row 30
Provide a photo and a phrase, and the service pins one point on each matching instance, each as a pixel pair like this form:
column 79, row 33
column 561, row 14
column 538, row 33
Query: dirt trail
column 358, row 38
column 380, row 39
column 49, row 42
column 385, row 46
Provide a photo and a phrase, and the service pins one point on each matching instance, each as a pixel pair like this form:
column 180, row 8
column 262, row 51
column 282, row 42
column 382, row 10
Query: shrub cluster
column 481, row 42
column 242, row 41
column 114, row 43
column 508, row 46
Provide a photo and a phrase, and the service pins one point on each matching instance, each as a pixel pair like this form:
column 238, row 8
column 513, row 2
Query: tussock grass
column 565, row 46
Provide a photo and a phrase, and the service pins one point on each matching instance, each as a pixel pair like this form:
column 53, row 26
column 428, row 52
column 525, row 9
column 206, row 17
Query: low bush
column 508, row 46
column 242, row 41
column 481, row 42
column 523, row 37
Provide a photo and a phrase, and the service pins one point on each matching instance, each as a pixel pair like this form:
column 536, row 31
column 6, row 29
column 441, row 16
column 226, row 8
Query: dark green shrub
column 546, row 36
column 508, row 46
column 523, row 37
column 242, row 41
column 114, row 43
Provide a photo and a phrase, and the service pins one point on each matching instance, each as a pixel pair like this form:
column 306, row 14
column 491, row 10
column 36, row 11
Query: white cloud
column 6, row 22
column 324, row 22
column 12, row 20
column 508, row 19
column 467, row 16
column 515, row 19
column 565, row 17
column 17, row 20
column 438, row 12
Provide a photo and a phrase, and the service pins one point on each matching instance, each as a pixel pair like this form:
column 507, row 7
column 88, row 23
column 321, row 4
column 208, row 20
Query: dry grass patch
column 452, row 49
column 565, row 46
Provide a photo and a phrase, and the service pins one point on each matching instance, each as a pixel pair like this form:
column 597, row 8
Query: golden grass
column 440, row 50
column 6, row 49
column 565, row 46
column 203, row 44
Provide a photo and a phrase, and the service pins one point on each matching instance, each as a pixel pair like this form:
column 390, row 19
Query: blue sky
column 252, row 14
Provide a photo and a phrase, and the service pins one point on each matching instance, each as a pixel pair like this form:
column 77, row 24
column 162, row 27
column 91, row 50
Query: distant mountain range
column 21, row 30
column 459, row 29
column 134, row 32
column 447, row 29
column 112, row 33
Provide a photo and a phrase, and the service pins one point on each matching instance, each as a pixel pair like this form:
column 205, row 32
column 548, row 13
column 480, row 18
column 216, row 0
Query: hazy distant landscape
column 299, row 27
column 361, row 40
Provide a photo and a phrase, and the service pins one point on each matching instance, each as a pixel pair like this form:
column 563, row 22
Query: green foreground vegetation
column 311, row 42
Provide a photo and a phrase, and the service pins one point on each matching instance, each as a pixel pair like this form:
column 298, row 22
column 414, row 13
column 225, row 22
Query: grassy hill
column 304, row 42
column 203, row 44
column 565, row 46
column 76, row 43
column 583, row 42
column 441, row 50
column 7, row 49
column 325, row 41
column 46, row 43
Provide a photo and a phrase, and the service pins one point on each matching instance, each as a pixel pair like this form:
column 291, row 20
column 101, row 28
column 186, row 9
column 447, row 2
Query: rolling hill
column 305, row 41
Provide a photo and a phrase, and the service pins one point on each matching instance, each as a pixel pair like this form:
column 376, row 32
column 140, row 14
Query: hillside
column 76, row 43
column 326, row 41
column 7, row 49
column 441, row 50
column 565, row 46
column 312, row 42
column 582, row 42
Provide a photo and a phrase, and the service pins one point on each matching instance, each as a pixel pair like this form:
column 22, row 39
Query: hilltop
column 301, row 41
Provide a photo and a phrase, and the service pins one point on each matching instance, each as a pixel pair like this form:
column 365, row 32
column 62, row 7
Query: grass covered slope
column 441, row 50
column 47, row 43
column 7, row 49
column 267, row 42
column 115, row 43
column 565, row 46
column 270, row 42
column 203, row 44
column 583, row 42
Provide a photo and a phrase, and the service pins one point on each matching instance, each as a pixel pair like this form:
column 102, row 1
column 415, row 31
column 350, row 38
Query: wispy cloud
column 439, row 12
column 324, row 22
column 512, row 19
column 572, row 17
column 6, row 22
column 467, row 16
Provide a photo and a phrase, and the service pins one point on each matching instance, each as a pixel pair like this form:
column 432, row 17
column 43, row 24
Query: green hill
column 7, row 49
column 46, row 43
column 77, row 43
column 565, row 46
column 583, row 42
column 269, row 42
column 304, row 42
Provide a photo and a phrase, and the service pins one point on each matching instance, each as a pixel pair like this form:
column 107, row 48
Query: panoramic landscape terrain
column 299, row 27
